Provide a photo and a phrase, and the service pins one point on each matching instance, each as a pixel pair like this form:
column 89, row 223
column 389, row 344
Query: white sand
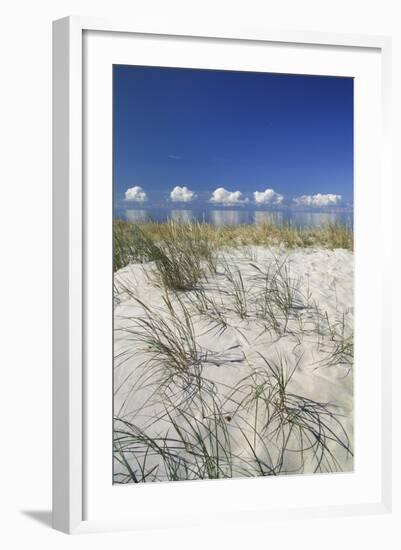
column 325, row 283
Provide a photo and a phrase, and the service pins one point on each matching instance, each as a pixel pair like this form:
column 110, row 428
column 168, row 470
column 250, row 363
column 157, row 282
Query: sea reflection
column 182, row 216
column 313, row 219
column 220, row 218
column 261, row 216
column 137, row 216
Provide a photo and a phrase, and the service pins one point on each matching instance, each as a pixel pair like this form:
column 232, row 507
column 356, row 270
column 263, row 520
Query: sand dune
column 268, row 386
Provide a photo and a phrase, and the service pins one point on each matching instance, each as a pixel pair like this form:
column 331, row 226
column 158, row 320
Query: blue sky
column 287, row 137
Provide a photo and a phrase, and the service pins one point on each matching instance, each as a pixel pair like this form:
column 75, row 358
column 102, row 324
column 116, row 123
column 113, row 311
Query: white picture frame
column 70, row 258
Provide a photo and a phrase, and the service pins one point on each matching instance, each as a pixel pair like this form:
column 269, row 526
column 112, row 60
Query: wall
column 25, row 124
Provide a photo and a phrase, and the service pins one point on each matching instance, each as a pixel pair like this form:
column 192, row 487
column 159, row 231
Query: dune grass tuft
column 261, row 428
column 182, row 253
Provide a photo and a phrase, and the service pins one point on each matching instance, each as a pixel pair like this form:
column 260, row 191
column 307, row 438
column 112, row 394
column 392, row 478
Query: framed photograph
column 220, row 293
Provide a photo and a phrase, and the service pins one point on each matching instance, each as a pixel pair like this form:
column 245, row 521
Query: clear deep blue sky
column 238, row 130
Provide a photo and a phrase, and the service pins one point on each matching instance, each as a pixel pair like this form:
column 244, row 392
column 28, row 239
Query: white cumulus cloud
column 269, row 196
column 182, row 194
column 135, row 194
column 222, row 196
column 318, row 200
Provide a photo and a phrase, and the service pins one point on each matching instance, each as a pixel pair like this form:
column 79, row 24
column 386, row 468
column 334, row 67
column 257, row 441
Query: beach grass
column 186, row 243
column 202, row 431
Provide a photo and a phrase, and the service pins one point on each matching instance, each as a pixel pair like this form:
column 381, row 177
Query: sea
column 227, row 217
